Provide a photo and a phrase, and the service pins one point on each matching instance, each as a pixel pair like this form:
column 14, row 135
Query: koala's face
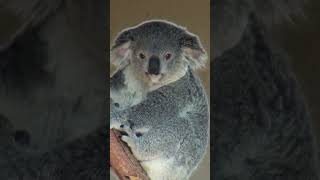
column 157, row 55
column 160, row 52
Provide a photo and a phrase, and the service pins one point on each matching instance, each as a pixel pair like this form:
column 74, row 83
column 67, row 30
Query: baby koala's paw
column 131, row 138
column 126, row 127
column 117, row 120
column 114, row 124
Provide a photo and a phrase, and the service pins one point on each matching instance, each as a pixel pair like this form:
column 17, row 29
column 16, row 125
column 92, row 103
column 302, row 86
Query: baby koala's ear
column 121, row 49
column 192, row 50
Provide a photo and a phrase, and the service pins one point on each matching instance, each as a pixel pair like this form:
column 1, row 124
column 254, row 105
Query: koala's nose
column 154, row 65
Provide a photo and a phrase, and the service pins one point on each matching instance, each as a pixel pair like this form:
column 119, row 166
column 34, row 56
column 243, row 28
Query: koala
column 159, row 102
column 262, row 126
column 52, row 90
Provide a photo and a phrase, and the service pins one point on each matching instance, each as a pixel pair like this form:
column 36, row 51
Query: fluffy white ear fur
column 120, row 54
column 196, row 58
column 192, row 50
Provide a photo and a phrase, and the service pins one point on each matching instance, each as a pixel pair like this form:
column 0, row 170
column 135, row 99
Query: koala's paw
column 130, row 141
column 136, row 146
column 127, row 128
column 115, row 125
column 116, row 120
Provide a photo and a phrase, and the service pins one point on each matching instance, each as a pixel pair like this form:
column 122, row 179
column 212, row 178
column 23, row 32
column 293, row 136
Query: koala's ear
column 192, row 50
column 121, row 50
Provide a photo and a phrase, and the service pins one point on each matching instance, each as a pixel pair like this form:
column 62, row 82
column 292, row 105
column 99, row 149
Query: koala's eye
column 168, row 56
column 142, row 56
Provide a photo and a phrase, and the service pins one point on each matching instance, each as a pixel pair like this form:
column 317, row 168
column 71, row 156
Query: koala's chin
column 155, row 79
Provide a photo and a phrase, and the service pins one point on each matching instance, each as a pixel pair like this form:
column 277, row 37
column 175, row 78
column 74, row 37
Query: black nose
column 154, row 65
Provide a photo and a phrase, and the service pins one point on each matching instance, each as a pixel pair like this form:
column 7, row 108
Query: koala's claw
column 126, row 128
column 131, row 133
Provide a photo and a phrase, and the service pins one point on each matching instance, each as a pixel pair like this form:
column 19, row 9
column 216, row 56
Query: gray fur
column 167, row 129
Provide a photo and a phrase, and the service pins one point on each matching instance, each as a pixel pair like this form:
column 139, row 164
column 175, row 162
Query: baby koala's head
column 158, row 52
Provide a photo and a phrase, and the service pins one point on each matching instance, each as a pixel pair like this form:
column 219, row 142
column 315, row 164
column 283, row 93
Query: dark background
column 301, row 40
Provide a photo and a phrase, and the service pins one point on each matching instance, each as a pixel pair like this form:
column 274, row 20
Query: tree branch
column 122, row 161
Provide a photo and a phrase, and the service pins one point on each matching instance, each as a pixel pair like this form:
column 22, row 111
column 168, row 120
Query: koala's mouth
column 155, row 79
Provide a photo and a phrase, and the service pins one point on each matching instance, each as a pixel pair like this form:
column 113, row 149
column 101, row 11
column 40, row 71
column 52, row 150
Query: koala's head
column 159, row 51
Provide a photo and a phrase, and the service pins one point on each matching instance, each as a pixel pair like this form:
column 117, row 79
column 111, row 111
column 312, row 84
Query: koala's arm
column 153, row 127
column 159, row 141
column 84, row 158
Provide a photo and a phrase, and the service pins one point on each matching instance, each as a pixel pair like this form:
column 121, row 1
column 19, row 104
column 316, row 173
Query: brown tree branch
column 122, row 161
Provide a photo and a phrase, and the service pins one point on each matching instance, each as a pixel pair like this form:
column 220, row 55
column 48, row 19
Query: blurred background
column 301, row 40
column 194, row 15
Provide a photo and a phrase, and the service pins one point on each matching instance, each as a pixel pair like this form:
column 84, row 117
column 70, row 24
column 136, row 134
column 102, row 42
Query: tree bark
column 122, row 161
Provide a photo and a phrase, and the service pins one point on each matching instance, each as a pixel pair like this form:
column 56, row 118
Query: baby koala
column 157, row 99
